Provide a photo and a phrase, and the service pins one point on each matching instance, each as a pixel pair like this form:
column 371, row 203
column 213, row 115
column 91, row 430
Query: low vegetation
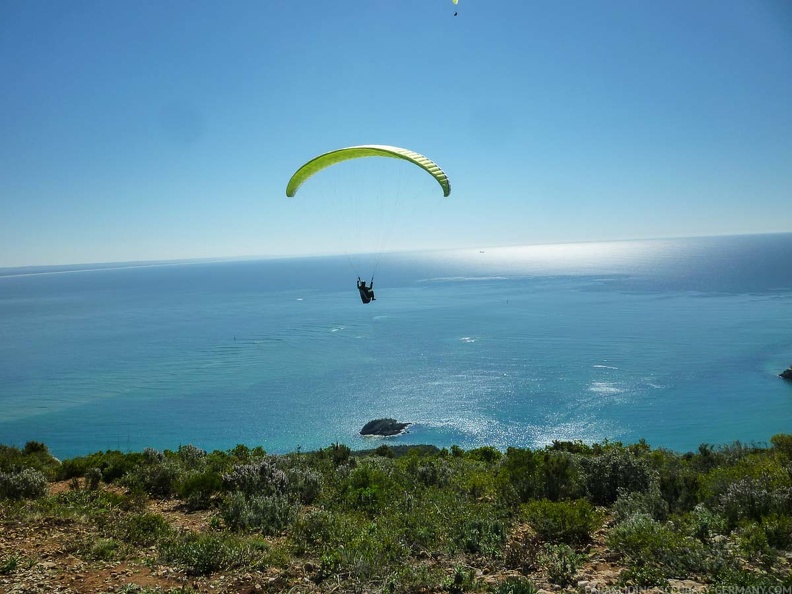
column 398, row 519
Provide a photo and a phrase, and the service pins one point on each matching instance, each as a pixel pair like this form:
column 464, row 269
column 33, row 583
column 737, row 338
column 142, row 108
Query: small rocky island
column 787, row 373
column 384, row 427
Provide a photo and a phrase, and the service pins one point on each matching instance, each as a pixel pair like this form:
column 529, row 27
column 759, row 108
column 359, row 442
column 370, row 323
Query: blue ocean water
column 675, row 341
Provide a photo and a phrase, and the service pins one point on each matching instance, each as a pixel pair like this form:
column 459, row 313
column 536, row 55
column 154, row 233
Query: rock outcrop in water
column 383, row 427
column 787, row 373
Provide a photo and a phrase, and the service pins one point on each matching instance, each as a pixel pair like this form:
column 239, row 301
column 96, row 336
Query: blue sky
column 163, row 130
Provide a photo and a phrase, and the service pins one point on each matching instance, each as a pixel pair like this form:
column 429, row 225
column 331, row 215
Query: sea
column 675, row 341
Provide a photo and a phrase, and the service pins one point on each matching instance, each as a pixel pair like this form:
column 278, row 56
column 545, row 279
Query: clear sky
column 139, row 130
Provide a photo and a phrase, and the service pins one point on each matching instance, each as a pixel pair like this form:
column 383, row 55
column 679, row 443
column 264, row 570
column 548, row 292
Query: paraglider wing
column 368, row 150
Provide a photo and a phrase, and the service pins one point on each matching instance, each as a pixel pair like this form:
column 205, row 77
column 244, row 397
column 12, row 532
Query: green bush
column 197, row 488
column 559, row 476
column 462, row 580
column 144, row 529
column 204, row 553
column 24, row 484
column 678, row 480
column 752, row 544
column 613, row 472
column 649, row 502
column 486, row 454
column 647, row 543
column 643, row 576
column 570, row 522
column 304, row 484
column 191, row 457
column 561, row 563
column 518, row 474
column 262, row 477
column 515, row 585
column 9, row 565
column 702, row 523
column 35, row 455
column 782, row 443
column 112, row 464
column 318, row 529
column 778, row 529
column 160, row 479
column 367, row 487
column 103, row 549
column 479, row 533
column 753, row 498
column 430, row 473
column 268, row 514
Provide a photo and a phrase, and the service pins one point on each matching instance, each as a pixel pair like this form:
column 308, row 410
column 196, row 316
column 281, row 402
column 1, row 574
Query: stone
column 384, row 427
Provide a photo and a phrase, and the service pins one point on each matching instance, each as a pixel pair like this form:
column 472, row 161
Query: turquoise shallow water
column 676, row 341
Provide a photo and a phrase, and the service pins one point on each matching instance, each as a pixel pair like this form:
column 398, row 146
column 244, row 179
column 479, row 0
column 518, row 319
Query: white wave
column 604, row 367
column 605, row 388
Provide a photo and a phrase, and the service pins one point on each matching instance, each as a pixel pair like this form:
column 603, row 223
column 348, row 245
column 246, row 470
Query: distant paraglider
column 455, row 3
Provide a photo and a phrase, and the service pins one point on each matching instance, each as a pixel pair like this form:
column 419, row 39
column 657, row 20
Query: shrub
column 753, row 498
column 191, row 456
column 515, row 585
column 144, row 529
column 159, row 479
column 112, row 464
column 197, row 488
column 778, row 529
column 642, row 576
column 518, row 473
column 560, row 562
column 93, row 477
column 486, row 454
column 678, row 480
column 24, row 484
column 268, row 514
column 647, row 543
column 202, row 553
column 304, row 484
column 317, row 529
column 559, row 476
column 35, row 447
column 752, row 543
column 615, row 471
column 103, row 549
column 262, row 477
column 751, row 581
column 703, row 524
column 462, row 580
column 367, row 487
column 570, row 522
column 649, row 502
column 782, row 443
column 35, row 455
column 9, row 565
column 430, row 472
column 338, row 453
column 479, row 534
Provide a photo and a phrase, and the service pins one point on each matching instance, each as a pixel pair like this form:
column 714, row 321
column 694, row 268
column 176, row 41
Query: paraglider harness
column 366, row 293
